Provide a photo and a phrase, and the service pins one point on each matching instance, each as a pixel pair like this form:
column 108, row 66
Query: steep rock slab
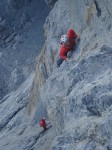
column 80, row 97
column 79, row 92
column 21, row 39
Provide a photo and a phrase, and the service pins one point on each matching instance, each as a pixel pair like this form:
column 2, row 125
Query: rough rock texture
column 78, row 95
column 17, row 131
column 75, row 98
column 21, row 38
column 81, row 108
column 51, row 2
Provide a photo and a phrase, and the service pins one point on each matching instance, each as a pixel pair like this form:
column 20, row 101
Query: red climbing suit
column 43, row 123
column 64, row 50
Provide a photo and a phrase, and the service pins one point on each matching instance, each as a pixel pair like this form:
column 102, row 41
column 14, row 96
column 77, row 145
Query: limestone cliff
column 21, row 38
column 75, row 98
column 78, row 95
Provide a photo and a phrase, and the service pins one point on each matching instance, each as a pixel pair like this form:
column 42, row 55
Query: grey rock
column 16, row 4
column 75, row 98
column 51, row 2
column 19, row 42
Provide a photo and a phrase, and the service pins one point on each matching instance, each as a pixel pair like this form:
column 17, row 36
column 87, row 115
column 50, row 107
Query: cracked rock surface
column 75, row 98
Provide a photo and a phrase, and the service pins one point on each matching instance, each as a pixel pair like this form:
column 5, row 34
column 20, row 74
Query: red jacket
column 43, row 123
column 64, row 50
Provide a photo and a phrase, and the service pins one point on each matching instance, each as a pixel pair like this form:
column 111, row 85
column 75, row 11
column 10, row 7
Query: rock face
column 21, row 38
column 76, row 98
column 50, row 2
column 78, row 95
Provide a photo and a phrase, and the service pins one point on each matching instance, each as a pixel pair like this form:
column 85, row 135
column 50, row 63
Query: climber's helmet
column 43, row 118
column 64, row 39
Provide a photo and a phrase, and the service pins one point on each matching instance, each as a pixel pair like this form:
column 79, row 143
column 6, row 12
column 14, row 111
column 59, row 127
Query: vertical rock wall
column 21, row 38
column 77, row 96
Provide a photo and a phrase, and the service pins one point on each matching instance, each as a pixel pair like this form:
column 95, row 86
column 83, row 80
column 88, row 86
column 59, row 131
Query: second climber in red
column 68, row 42
column 43, row 123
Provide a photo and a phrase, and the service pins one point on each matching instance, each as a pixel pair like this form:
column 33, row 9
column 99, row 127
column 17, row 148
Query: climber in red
column 43, row 123
column 67, row 44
